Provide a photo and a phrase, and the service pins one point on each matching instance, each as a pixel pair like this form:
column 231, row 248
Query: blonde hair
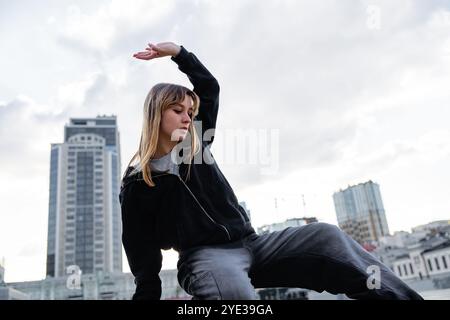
column 160, row 97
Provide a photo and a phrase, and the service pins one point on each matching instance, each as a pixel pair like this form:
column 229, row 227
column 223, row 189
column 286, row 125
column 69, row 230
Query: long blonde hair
column 160, row 97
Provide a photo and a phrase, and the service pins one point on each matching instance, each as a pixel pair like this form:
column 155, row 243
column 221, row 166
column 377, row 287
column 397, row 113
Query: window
column 399, row 270
column 411, row 268
column 437, row 263
column 406, row 270
column 429, row 265
column 444, row 262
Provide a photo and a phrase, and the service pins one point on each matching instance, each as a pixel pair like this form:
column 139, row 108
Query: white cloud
column 98, row 30
column 74, row 93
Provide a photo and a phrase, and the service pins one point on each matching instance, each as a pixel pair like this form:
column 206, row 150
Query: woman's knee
column 327, row 230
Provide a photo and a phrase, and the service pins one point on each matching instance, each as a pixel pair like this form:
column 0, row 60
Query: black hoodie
column 180, row 212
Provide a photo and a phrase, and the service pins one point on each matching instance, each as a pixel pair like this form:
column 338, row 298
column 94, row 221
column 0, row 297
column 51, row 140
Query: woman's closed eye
column 178, row 111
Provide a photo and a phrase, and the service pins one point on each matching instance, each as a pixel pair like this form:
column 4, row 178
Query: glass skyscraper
column 84, row 222
column 360, row 212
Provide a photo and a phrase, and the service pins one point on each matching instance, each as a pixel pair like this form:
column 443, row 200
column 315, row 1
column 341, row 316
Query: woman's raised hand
column 159, row 50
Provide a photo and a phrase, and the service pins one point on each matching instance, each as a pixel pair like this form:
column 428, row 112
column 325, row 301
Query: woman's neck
column 163, row 149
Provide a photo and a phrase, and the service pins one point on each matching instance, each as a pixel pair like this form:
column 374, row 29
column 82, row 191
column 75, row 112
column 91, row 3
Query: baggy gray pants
column 317, row 256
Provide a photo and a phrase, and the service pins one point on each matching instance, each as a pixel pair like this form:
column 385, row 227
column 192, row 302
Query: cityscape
column 84, row 250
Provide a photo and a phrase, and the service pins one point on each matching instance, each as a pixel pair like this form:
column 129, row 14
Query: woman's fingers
column 142, row 54
column 146, row 55
column 151, row 52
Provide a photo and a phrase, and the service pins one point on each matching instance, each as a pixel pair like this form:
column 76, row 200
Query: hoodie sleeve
column 205, row 86
column 143, row 254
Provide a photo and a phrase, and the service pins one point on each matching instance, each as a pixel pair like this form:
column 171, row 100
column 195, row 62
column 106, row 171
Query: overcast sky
column 356, row 90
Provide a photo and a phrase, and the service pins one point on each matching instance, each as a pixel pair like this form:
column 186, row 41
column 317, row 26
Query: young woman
column 172, row 201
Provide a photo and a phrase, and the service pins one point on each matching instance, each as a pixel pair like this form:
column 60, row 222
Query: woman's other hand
column 159, row 50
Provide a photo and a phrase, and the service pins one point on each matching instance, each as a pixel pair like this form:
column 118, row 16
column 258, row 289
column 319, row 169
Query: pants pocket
column 204, row 287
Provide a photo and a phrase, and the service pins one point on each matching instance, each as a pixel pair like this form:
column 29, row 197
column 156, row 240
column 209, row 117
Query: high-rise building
column 84, row 223
column 360, row 212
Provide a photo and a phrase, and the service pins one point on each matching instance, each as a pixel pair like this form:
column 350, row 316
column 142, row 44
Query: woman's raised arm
column 205, row 85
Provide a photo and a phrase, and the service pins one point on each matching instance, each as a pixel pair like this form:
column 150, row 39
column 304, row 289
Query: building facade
column 98, row 286
column 84, row 222
column 360, row 212
column 433, row 227
column 422, row 263
column 420, row 258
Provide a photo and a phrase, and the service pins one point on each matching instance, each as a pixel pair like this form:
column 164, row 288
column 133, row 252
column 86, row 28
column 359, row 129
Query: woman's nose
column 187, row 118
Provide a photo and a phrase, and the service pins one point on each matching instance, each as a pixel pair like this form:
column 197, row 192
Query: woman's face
column 175, row 121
